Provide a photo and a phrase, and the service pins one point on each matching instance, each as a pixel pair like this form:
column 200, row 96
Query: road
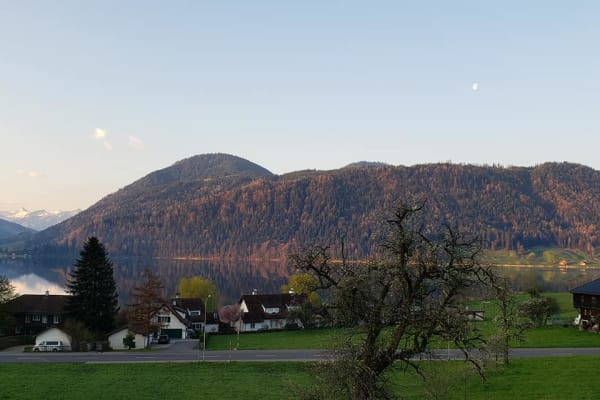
column 184, row 351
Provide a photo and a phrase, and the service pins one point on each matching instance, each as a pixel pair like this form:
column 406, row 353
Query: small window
column 252, row 325
column 36, row 317
column 57, row 319
column 27, row 318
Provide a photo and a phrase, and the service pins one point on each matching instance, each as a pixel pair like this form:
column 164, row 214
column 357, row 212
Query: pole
column 204, row 337
column 448, row 339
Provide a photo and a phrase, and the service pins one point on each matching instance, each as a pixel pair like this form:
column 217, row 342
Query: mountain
column 10, row 229
column 218, row 205
column 37, row 220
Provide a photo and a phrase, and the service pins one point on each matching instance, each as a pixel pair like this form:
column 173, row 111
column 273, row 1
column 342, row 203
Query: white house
column 193, row 312
column 269, row 311
column 172, row 322
column 115, row 339
column 54, row 334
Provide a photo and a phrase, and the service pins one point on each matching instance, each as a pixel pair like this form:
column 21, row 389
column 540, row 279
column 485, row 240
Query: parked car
column 49, row 345
column 163, row 339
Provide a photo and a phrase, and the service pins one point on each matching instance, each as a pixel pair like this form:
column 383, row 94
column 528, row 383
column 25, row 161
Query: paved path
column 187, row 351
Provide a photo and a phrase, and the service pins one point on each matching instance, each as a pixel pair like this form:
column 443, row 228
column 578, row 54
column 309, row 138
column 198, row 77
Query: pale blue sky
column 96, row 94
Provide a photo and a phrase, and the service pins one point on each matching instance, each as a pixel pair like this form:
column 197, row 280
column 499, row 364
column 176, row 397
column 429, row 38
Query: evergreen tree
column 94, row 299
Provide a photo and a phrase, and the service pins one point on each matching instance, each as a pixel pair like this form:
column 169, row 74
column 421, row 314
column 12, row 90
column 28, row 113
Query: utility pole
column 204, row 338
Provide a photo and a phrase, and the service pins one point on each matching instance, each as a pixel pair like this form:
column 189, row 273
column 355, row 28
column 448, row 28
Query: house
column 54, row 334
column 35, row 313
column 192, row 309
column 586, row 298
column 269, row 311
column 172, row 322
column 115, row 339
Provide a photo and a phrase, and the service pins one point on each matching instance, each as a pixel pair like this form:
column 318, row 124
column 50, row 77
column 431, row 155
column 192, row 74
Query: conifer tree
column 94, row 299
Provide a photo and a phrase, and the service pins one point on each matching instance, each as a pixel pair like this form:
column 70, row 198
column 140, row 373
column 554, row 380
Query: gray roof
column 592, row 287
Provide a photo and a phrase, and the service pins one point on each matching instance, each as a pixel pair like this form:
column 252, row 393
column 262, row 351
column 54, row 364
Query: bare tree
column 509, row 326
column 147, row 301
column 398, row 302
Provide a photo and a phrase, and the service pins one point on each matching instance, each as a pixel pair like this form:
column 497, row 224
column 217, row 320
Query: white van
column 49, row 345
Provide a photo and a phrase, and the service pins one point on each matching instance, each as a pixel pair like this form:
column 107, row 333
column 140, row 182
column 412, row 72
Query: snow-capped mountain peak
column 39, row 219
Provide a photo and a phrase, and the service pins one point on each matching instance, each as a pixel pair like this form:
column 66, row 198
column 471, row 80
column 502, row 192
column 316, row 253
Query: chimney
column 47, row 293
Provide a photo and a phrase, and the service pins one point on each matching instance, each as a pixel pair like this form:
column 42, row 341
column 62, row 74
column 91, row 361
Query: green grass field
column 303, row 339
column 549, row 378
column 548, row 336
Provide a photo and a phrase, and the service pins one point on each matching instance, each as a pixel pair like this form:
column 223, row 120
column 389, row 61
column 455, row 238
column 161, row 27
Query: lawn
column 151, row 381
column 546, row 378
column 554, row 378
column 301, row 339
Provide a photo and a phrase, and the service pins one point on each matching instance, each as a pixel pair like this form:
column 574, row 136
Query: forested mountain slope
column 218, row 205
column 9, row 229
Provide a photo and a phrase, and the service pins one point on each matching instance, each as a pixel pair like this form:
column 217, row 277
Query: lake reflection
column 234, row 278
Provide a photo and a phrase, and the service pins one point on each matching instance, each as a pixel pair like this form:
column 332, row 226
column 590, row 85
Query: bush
column 539, row 308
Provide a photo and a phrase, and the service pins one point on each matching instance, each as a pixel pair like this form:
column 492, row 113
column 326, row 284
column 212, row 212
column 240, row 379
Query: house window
column 44, row 319
column 36, row 317
column 18, row 330
column 27, row 318
column 252, row 325
column 164, row 319
column 57, row 319
column 194, row 313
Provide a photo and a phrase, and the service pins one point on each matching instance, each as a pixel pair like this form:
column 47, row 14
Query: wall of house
column 116, row 340
column 174, row 323
column 255, row 327
column 53, row 334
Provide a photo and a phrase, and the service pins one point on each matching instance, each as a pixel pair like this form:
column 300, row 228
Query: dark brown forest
column 218, row 206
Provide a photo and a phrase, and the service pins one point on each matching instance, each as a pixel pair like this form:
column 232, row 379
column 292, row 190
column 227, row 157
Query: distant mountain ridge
column 10, row 229
column 37, row 220
column 217, row 205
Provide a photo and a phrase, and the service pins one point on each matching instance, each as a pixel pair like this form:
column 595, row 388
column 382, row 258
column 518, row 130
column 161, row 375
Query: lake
column 234, row 278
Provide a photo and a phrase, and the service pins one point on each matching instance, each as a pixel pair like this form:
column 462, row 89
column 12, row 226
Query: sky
column 97, row 94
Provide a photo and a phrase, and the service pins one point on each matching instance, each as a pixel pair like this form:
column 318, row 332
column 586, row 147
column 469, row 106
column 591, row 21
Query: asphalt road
column 184, row 351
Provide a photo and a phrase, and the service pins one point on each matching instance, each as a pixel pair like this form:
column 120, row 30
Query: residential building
column 586, row 298
column 270, row 311
column 35, row 313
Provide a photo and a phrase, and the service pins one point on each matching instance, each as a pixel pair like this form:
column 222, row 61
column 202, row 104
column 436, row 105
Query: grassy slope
column 548, row 256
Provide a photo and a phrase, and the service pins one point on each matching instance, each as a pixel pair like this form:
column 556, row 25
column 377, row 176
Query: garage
column 173, row 333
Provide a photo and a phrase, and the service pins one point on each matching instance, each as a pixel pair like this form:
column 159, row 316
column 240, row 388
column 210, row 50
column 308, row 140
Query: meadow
column 546, row 378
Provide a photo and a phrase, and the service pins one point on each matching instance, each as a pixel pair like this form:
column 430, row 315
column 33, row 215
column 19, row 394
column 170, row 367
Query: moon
column 475, row 86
